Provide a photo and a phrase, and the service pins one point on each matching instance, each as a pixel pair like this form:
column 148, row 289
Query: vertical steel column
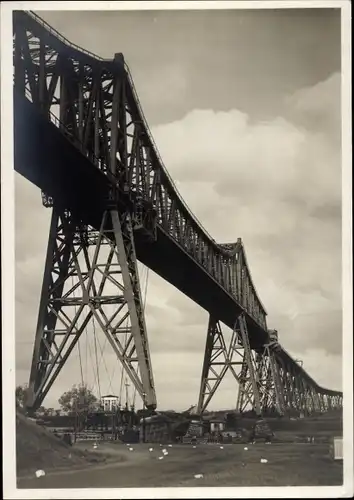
column 250, row 362
column 278, row 389
column 241, row 401
column 124, row 240
column 57, row 258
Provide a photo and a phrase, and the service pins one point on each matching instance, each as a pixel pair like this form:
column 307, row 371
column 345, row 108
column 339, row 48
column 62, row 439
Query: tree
column 49, row 412
column 21, row 393
column 41, row 411
column 78, row 399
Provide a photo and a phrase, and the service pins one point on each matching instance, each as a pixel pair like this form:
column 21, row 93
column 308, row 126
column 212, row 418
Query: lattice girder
column 95, row 105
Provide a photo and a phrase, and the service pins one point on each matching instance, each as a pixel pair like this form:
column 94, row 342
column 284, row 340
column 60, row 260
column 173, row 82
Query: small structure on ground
column 261, row 430
column 109, row 402
column 338, row 448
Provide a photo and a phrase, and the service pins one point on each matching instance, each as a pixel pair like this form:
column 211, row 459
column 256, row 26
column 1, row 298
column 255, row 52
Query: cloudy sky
column 244, row 107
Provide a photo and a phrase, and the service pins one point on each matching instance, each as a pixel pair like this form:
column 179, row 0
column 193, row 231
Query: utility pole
column 144, row 429
column 75, row 421
column 126, row 394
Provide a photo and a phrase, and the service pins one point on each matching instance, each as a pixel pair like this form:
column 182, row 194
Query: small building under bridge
column 109, row 403
column 163, row 428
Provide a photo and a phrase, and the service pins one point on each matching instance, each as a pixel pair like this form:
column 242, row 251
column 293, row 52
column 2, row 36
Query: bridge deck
column 71, row 177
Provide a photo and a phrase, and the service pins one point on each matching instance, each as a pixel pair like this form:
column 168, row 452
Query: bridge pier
column 258, row 373
column 236, row 357
column 90, row 279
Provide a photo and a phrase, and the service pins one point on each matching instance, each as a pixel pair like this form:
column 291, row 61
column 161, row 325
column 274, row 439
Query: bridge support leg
column 90, row 278
column 269, row 383
column 219, row 358
column 214, row 365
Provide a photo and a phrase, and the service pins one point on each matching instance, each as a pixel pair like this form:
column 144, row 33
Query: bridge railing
column 61, row 37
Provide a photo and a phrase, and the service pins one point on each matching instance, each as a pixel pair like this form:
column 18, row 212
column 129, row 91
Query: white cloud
column 319, row 106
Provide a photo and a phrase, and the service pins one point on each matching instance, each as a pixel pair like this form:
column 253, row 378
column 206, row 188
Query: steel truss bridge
column 82, row 138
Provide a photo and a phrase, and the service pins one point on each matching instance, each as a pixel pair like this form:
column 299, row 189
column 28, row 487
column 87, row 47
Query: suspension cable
column 92, row 363
column 81, row 370
column 122, row 370
column 86, row 353
column 102, row 358
column 101, row 348
column 135, row 391
column 97, row 370
column 111, row 378
column 88, row 348
column 78, row 342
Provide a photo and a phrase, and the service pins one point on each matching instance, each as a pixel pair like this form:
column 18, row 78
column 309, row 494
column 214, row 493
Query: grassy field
column 288, row 465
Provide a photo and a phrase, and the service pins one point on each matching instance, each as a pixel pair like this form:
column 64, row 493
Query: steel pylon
column 90, row 276
column 268, row 382
column 236, row 357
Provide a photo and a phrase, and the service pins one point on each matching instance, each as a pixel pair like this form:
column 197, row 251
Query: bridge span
column 82, row 138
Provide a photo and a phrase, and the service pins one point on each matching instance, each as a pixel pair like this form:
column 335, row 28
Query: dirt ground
column 292, row 461
column 296, row 464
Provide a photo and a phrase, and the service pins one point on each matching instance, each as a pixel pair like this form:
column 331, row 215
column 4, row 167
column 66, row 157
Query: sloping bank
column 37, row 448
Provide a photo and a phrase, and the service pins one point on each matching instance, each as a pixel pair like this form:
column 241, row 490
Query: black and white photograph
column 176, row 249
